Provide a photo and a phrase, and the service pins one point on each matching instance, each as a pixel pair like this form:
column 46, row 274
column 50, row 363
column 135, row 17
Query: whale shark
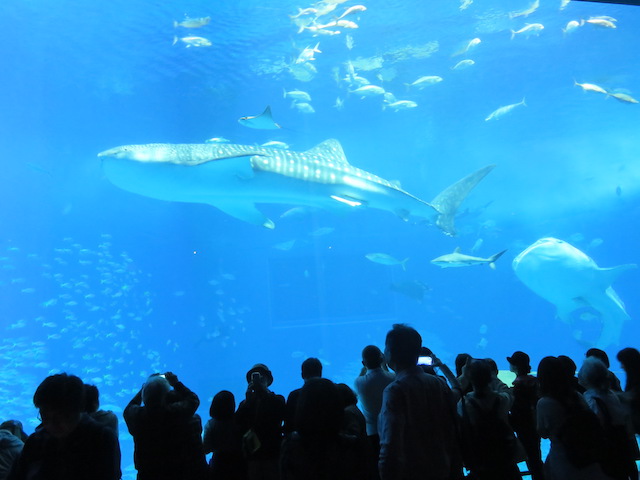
column 571, row 280
column 234, row 178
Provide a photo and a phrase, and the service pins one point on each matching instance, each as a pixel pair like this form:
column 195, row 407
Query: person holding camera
column 166, row 430
column 260, row 417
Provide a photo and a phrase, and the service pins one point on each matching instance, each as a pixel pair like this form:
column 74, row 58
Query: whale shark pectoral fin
column 247, row 212
column 613, row 316
column 447, row 202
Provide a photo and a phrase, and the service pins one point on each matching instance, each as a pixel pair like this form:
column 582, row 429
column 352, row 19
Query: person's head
column 260, row 373
column 348, row 396
column 568, row 364
column 519, row 363
column 91, row 398
column 15, row 427
column 223, row 406
column 480, row 375
column 311, row 368
column 554, row 379
column 594, row 374
column 372, row 357
column 629, row 358
column 600, row 355
column 461, row 361
column 402, row 347
column 60, row 399
column 320, row 410
column 154, row 392
column 492, row 365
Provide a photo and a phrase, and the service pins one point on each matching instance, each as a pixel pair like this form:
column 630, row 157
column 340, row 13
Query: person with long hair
column 559, row 405
column 629, row 359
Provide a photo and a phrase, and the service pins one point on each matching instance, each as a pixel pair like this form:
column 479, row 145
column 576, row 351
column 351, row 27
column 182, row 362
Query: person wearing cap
column 526, row 393
column 260, row 417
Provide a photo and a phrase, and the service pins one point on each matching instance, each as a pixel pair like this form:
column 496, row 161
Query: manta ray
column 234, row 178
column 571, row 280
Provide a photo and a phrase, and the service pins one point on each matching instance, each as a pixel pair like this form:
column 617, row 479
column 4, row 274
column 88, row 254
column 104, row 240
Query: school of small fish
column 74, row 299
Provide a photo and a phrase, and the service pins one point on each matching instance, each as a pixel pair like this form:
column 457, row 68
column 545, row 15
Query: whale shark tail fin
column 449, row 200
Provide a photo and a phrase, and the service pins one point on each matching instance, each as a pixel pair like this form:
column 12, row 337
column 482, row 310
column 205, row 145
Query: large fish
column 566, row 277
column 457, row 259
column 234, row 178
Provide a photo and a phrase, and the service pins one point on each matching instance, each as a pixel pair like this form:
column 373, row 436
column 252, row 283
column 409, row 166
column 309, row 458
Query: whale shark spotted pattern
column 234, row 178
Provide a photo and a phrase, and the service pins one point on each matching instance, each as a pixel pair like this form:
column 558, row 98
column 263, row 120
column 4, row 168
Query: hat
column 263, row 370
column 519, row 359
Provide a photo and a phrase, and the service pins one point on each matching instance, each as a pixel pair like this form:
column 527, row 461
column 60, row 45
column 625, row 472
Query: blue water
column 113, row 286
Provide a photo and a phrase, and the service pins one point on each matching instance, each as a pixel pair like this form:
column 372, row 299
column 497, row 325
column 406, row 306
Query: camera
column 425, row 360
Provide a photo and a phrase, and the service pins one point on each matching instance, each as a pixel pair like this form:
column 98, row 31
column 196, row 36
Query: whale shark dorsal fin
column 330, row 149
column 611, row 274
column 456, row 250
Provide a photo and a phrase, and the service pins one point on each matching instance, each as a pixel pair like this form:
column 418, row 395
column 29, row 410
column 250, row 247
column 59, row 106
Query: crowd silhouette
column 408, row 417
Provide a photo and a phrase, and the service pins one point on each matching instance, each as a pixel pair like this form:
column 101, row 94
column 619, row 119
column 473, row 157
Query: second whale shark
column 234, row 178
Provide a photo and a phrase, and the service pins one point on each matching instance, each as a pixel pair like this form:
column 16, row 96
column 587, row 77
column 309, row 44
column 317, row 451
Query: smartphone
column 255, row 376
column 425, row 360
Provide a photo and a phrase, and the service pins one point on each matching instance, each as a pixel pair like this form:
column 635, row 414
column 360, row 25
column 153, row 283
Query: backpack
column 581, row 435
column 488, row 443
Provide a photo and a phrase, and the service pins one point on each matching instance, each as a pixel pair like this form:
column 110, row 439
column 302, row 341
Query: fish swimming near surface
column 462, row 64
column 500, row 112
column 193, row 41
column 192, row 22
column 234, row 178
column 386, row 259
column 572, row 25
column 606, row 22
column 571, row 280
column 525, row 13
column 457, row 259
column 590, row 87
column 528, row 30
column 425, row 81
column 264, row 121
column 400, row 105
column 623, row 97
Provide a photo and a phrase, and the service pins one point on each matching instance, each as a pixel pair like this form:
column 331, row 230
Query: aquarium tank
column 198, row 186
